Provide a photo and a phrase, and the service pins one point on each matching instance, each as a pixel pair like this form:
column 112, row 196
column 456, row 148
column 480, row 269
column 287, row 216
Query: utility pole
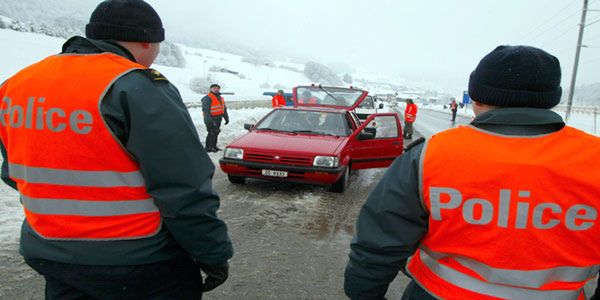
column 576, row 65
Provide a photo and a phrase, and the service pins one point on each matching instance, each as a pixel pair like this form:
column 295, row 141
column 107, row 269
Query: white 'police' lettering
column 54, row 118
column 577, row 217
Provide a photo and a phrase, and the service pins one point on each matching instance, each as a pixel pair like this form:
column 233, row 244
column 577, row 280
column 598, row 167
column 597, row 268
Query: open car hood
column 333, row 97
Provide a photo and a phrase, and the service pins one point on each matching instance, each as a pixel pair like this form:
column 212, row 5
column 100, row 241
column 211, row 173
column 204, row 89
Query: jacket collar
column 79, row 44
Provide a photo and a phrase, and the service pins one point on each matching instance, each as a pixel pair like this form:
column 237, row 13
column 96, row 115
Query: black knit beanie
column 127, row 21
column 517, row 76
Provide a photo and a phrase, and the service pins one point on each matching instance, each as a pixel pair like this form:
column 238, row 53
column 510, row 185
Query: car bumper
column 305, row 174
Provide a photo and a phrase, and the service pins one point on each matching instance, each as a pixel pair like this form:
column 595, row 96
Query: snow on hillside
column 22, row 49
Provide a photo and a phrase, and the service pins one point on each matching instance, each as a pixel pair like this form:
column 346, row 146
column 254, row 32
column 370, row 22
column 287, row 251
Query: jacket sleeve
column 5, row 176
column 390, row 226
column 151, row 120
column 206, row 102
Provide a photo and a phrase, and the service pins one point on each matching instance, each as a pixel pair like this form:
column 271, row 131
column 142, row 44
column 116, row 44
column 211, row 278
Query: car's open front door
column 377, row 142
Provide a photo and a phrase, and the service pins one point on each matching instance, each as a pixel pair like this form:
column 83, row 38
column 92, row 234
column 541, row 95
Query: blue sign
column 466, row 99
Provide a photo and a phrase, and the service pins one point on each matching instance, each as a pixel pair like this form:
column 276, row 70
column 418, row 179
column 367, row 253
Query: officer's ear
column 479, row 107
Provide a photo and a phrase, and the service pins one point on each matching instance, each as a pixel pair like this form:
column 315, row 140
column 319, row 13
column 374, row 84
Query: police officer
column 214, row 111
column 410, row 116
column 114, row 181
column 506, row 207
column 453, row 108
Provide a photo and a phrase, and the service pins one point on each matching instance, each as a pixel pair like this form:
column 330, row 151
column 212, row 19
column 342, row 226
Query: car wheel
column 340, row 185
column 236, row 179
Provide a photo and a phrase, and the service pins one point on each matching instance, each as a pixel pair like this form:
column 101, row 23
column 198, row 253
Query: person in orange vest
column 453, row 108
column 410, row 116
column 504, row 208
column 307, row 98
column 278, row 100
column 214, row 111
column 113, row 178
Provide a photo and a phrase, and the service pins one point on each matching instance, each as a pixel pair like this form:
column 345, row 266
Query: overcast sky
column 438, row 41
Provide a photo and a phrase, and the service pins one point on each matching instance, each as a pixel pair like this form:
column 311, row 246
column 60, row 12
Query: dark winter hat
column 127, row 21
column 517, row 76
column 214, row 85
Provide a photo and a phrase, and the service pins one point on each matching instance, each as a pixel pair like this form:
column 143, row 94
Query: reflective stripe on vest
column 76, row 178
column 505, row 213
column 70, row 207
column 217, row 108
column 496, row 289
column 77, row 182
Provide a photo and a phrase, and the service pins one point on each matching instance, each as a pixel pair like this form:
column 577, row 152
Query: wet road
column 291, row 240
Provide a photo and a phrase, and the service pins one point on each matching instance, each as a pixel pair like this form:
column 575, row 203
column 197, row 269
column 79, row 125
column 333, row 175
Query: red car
column 319, row 140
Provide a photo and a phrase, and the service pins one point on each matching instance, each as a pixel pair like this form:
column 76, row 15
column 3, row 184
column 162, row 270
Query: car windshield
column 329, row 96
column 302, row 121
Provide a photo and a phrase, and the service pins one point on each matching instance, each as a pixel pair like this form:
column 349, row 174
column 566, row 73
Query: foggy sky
column 437, row 41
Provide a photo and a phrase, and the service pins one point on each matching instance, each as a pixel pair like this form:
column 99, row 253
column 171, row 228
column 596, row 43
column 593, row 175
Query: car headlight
column 234, row 153
column 326, row 161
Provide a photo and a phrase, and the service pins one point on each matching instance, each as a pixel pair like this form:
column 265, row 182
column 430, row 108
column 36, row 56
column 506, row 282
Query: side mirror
column 248, row 126
column 363, row 136
column 371, row 130
column 380, row 105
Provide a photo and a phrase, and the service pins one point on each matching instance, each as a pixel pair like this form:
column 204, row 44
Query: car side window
column 367, row 103
column 385, row 127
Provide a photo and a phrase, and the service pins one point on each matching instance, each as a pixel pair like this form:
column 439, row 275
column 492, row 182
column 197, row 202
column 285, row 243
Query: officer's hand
column 215, row 275
column 226, row 121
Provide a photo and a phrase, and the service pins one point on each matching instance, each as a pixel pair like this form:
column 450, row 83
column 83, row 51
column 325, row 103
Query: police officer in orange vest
column 214, row 111
column 113, row 178
column 504, row 208
column 410, row 116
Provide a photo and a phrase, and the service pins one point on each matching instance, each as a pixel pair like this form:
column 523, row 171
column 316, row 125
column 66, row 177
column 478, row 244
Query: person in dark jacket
column 147, row 117
column 454, row 109
column 214, row 111
column 394, row 220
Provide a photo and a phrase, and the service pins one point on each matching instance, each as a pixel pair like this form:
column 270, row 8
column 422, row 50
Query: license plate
column 273, row 173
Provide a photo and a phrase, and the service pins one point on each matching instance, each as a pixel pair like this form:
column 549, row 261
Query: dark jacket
column 146, row 113
column 392, row 221
column 206, row 103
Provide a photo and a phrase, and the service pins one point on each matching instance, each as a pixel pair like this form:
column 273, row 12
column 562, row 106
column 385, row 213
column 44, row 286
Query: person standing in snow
column 278, row 100
column 454, row 109
column 214, row 111
column 505, row 208
column 410, row 116
column 115, row 183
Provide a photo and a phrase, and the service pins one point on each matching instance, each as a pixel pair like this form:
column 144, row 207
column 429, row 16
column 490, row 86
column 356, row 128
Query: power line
column 556, row 25
column 548, row 20
column 560, row 36
column 592, row 22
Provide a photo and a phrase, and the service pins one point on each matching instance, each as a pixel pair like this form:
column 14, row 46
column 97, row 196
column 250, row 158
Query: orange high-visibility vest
column 410, row 113
column 76, row 181
column 509, row 217
column 217, row 108
column 278, row 101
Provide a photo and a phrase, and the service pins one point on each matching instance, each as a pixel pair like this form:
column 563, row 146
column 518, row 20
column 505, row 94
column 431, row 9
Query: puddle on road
column 311, row 211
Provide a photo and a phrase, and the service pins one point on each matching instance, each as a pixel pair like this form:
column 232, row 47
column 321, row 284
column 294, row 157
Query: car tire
column 340, row 185
column 236, row 179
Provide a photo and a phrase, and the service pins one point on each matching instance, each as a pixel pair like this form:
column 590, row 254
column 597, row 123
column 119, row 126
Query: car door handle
column 395, row 143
